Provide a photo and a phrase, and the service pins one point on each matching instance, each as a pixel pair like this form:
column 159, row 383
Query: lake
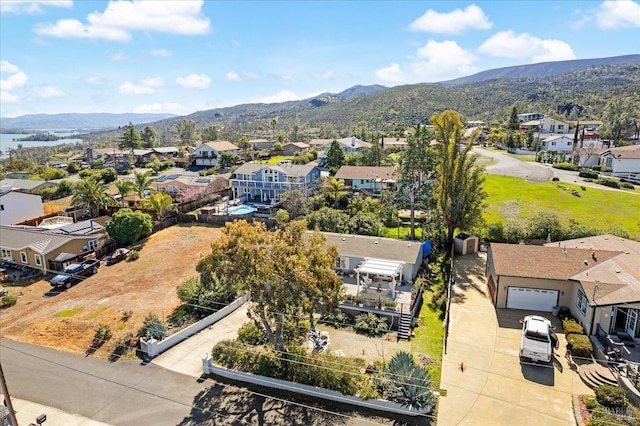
column 7, row 141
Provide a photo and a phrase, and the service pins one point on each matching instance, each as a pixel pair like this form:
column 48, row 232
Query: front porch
column 376, row 296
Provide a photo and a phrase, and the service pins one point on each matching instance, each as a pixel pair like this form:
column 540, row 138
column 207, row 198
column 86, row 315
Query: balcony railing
column 280, row 186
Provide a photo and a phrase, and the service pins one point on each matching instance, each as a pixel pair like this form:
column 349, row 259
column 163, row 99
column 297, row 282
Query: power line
column 130, row 387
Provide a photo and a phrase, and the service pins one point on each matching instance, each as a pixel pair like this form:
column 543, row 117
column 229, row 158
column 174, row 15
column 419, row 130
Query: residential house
column 623, row 161
column 26, row 185
column 546, row 125
column 17, row 206
column 266, row 182
column 350, row 145
column 561, row 143
column 177, row 184
column 596, row 278
column 373, row 179
column 164, row 153
column 261, row 144
column 353, row 250
column 207, row 154
column 530, row 116
column 295, row 147
column 45, row 249
column 393, row 142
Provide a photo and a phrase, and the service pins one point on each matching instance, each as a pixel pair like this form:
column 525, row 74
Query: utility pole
column 7, row 398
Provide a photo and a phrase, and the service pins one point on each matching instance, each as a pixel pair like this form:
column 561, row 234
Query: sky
column 65, row 56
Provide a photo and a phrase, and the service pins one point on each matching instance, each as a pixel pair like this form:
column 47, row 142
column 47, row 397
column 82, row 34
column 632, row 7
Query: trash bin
column 554, row 311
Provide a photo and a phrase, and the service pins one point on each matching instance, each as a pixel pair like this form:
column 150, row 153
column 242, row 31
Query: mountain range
column 578, row 87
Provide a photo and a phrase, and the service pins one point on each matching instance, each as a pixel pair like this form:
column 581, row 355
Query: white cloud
column 31, row 7
column 161, row 52
column 507, row 44
column 144, row 87
column 392, row 73
column 6, row 66
column 194, row 81
column 8, row 98
column 442, row 60
column 232, row 76
column 16, row 77
column 43, row 92
column 95, row 80
column 282, row 96
column 324, row 76
column 119, row 56
column 120, row 18
column 251, row 76
column 156, row 107
column 456, row 22
column 613, row 15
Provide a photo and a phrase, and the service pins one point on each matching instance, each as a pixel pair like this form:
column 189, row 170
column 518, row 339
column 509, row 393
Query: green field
column 514, row 198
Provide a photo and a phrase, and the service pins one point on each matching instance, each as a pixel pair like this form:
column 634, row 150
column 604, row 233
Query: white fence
column 152, row 347
column 209, row 367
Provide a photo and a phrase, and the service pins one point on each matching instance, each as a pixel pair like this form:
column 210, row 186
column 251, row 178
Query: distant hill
column 77, row 121
column 542, row 69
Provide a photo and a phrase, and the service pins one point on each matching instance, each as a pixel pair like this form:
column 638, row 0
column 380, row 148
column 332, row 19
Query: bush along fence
column 153, row 347
column 209, row 367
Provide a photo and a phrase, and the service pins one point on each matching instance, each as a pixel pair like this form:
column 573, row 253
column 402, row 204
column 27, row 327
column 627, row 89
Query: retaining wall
column 209, row 367
column 152, row 347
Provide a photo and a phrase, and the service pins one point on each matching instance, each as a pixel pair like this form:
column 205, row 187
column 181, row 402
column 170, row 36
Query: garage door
column 534, row 299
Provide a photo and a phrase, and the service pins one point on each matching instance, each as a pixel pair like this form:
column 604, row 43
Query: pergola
column 379, row 267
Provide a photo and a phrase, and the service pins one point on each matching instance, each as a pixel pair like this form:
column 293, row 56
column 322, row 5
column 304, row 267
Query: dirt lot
column 66, row 319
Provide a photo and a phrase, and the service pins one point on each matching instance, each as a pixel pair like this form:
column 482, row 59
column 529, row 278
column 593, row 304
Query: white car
column 538, row 339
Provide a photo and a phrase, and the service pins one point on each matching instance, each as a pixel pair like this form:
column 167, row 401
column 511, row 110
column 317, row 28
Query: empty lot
column 66, row 319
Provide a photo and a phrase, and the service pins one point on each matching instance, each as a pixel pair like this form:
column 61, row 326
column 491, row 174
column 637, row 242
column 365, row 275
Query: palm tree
column 124, row 187
column 142, row 183
column 274, row 123
column 157, row 202
column 94, row 194
column 334, row 189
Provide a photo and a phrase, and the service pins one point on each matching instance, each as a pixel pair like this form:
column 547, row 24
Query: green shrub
column 153, row 327
column 611, row 396
column 8, row 300
column 627, row 185
column 590, row 174
column 251, row 334
column 565, row 166
column 133, row 255
column 590, row 403
column 370, row 324
column 336, row 318
column 611, row 183
column 596, row 167
column 102, row 333
column 570, row 325
column 582, row 347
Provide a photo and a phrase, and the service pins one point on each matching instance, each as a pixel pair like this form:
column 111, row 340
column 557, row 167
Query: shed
column 466, row 244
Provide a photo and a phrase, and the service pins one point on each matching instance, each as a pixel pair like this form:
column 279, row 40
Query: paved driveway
column 481, row 372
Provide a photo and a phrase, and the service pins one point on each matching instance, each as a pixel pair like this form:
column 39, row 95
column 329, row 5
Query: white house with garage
column 623, row 161
column 208, row 153
column 596, row 278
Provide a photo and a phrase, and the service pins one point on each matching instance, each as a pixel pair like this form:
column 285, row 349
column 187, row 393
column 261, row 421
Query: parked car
column 538, row 339
column 117, row 256
column 75, row 273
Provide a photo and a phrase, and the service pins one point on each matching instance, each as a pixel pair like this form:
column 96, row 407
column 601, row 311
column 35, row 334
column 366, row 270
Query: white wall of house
column 562, row 144
column 16, row 207
column 553, row 126
column 621, row 165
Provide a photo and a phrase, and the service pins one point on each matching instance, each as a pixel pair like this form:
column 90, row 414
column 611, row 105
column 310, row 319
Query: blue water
column 240, row 210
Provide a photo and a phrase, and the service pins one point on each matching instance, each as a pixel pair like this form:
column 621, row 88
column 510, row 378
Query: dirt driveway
column 65, row 319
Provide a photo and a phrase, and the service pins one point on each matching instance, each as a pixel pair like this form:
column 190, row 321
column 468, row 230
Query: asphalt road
column 130, row 392
column 509, row 166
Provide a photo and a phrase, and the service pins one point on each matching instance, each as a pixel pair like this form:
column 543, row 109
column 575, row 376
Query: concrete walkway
column 481, row 371
column 27, row 411
column 186, row 357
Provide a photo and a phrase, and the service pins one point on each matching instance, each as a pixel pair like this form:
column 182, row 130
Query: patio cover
column 389, row 268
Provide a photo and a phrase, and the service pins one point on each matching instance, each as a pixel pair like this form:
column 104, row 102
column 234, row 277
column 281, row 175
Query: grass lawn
column 392, row 231
column 513, row 198
column 429, row 338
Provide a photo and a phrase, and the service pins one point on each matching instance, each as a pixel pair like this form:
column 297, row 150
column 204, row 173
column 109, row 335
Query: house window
column 23, row 257
column 581, row 303
column 93, row 244
column 6, row 254
column 38, row 259
column 342, row 262
column 553, row 143
column 560, row 126
column 1, row 207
